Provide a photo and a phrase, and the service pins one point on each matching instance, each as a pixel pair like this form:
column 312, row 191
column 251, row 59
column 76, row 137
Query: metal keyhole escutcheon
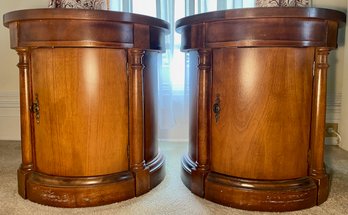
column 217, row 108
column 36, row 109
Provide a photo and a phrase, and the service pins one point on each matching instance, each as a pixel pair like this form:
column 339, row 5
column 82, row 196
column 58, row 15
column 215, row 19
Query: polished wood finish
column 136, row 128
column 261, row 195
column 84, row 121
column 257, row 106
column 101, row 28
column 80, row 191
column 203, row 125
column 151, row 149
column 316, row 151
column 26, row 134
column 85, row 99
column 218, row 29
column 262, row 124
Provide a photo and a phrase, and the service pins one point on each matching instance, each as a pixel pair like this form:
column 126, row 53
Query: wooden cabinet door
column 83, row 105
column 263, row 128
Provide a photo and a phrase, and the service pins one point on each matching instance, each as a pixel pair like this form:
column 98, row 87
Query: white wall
column 336, row 62
column 343, row 128
column 337, row 69
column 9, row 99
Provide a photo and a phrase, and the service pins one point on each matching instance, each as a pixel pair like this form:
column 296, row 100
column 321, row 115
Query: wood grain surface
column 83, row 95
column 262, row 145
column 85, row 103
column 264, row 126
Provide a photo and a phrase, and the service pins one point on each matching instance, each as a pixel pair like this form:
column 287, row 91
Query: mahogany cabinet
column 257, row 105
column 88, row 86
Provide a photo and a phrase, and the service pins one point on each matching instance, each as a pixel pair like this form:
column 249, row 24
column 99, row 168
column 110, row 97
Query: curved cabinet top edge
column 82, row 14
column 263, row 12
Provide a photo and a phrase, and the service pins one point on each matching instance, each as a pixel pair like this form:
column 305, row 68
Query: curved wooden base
column 72, row 192
column 193, row 177
column 157, row 170
column 287, row 195
column 79, row 191
column 258, row 195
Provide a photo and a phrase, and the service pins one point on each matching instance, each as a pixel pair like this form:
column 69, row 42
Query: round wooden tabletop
column 81, row 14
column 260, row 27
column 263, row 12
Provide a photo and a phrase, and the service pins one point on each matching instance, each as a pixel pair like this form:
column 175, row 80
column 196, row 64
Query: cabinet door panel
column 265, row 98
column 83, row 99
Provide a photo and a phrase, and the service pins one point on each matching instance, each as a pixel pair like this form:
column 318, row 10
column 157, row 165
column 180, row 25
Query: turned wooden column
column 203, row 112
column 136, row 121
column 25, row 115
column 317, row 166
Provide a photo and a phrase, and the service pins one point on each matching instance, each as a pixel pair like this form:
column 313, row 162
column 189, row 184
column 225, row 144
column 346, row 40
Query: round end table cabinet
column 257, row 105
column 88, row 81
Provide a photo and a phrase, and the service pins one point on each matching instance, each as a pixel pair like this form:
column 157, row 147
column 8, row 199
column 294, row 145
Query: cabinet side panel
column 150, row 104
column 265, row 100
column 83, row 99
column 193, row 104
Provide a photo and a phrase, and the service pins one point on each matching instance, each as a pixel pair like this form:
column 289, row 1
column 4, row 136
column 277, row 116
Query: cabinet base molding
column 261, row 195
column 322, row 182
column 157, row 170
column 23, row 175
column 256, row 195
column 192, row 176
column 73, row 192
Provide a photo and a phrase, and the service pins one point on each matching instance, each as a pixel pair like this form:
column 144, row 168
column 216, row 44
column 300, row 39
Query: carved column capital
column 321, row 58
column 135, row 57
column 204, row 59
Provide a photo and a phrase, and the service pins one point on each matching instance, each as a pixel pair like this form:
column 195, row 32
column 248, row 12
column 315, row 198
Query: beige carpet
column 170, row 197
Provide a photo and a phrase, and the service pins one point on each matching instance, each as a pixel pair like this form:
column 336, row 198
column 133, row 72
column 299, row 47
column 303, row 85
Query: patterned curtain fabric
column 79, row 4
column 282, row 3
column 121, row 5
